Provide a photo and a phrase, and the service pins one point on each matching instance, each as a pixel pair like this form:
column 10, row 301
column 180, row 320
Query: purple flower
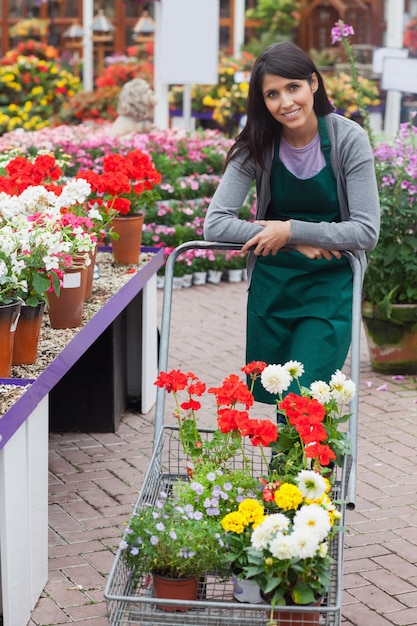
column 197, row 487
column 338, row 32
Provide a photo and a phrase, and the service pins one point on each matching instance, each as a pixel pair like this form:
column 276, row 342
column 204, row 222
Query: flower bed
column 190, row 164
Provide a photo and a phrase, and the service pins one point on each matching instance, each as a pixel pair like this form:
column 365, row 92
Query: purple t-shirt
column 303, row 162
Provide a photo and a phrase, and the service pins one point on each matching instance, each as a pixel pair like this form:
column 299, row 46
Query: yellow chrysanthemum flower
column 234, row 522
column 288, row 497
column 252, row 511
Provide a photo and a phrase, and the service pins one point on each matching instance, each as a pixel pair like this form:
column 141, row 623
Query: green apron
column 299, row 308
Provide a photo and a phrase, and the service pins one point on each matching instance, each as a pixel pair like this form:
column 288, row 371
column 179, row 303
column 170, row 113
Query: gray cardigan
column 353, row 165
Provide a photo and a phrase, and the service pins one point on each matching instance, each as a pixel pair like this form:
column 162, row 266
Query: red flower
column 264, row 432
column 323, row 453
column 232, row 391
column 191, row 405
column 122, row 205
column 174, row 380
column 230, row 419
column 254, row 369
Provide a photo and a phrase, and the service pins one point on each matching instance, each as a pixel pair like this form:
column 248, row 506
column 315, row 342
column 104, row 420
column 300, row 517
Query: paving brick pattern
column 94, row 480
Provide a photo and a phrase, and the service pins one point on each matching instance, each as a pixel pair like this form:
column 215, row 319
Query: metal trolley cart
column 133, row 602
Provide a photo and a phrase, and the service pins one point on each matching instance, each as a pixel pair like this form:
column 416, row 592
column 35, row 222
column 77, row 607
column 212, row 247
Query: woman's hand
column 312, row 252
column 271, row 239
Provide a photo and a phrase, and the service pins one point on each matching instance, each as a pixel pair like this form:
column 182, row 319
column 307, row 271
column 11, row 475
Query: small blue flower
column 123, row 545
column 197, row 487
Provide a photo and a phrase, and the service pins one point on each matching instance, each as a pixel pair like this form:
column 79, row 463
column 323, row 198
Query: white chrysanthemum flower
column 342, row 389
column 283, row 547
column 311, row 484
column 313, row 518
column 305, row 543
column 295, row 368
column 320, row 391
column 275, row 379
column 272, row 525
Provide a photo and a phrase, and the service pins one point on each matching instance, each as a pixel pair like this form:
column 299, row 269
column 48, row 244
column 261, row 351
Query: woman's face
column 290, row 101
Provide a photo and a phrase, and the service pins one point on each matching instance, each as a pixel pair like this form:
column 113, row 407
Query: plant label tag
column 14, row 324
column 72, row 280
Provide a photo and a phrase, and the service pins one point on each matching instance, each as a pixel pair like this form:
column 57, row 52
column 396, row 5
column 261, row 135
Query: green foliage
column 392, row 266
column 278, row 16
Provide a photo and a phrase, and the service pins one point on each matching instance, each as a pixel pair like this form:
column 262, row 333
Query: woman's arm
column 221, row 222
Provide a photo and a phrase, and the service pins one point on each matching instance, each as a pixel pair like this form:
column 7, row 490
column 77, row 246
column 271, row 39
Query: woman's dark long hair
column 261, row 130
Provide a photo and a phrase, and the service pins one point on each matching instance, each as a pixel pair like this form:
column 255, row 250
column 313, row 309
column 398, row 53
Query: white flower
column 305, row 544
column 320, row 391
column 282, row 546
column 272, row 525
column 313, row 518
column 295, row 368
column 311, row 484
column 276, row 378
column 342, row 389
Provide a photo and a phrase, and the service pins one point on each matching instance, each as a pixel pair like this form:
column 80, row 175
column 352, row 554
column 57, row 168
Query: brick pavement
column 94, row 479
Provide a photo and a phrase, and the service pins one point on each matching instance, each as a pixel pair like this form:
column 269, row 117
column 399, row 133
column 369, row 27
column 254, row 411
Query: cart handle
column 350, row 495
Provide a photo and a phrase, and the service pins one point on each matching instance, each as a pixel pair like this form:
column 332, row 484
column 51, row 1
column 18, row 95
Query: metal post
column 88, row 9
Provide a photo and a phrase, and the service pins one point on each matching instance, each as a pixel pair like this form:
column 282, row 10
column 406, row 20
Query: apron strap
column 325, row 140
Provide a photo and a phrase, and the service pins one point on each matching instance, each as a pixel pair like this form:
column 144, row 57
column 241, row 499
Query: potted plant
column 46, row 235
column 125, row 188
column 389, row 309
column 174, row 542
column 390, row 290
column 238, row 526
column 288, row 552
column 216, row 259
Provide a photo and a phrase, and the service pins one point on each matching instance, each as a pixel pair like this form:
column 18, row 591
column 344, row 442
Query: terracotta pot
column 126, row 249
column 66, row 310
column 9, row 316
column 392, row 344
column 174, row 588
column 26, row 340
column 284, row 617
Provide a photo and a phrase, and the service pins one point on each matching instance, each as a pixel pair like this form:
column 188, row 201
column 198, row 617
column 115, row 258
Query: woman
column 316, row 197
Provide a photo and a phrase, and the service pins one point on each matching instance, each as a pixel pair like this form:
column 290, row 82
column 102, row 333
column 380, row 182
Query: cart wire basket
column 131, row 600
